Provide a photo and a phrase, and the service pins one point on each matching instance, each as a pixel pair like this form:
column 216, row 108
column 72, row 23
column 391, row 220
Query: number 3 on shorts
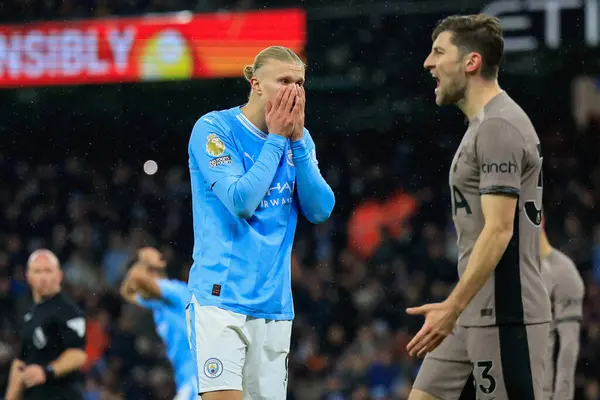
column 486, row 382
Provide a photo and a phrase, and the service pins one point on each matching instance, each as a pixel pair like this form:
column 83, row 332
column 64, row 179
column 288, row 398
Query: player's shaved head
column 43, row 274
column 43, row 256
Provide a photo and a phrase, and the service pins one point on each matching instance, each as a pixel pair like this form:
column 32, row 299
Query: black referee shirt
column 50, row 328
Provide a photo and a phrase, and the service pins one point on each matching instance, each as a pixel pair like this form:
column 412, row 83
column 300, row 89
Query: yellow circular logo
column 166, row 55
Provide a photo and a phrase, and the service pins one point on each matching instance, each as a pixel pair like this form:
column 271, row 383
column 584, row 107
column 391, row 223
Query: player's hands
column 440, row 319
column 279, row 112
column 299, row 115
column 128, row 289
column 33, row 375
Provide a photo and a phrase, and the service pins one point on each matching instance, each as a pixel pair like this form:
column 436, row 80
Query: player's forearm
column 145, row 283
column 242, row 196
column 14, row 390
column 127, row 291
column 566, row 363
column 130, row 297
column 489, row 248
column 70, row 360
column 315, row 196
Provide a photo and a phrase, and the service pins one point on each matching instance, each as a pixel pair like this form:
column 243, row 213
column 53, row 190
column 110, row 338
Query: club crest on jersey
column 289, row 158
column 39, row 338
column 213, row 368
column 214, row 146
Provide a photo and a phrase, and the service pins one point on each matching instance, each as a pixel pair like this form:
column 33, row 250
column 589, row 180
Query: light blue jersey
column 169, row 318
column 247, row 190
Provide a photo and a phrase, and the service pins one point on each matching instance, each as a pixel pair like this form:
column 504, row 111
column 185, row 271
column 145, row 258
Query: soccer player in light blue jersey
column 253, row 170
column 147, row 286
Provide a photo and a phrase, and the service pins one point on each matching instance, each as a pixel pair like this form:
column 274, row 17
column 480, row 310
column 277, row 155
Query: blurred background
column 93, row 89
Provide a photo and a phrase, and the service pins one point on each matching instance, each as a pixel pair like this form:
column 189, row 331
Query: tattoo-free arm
column 14, row 391
column 499, row 212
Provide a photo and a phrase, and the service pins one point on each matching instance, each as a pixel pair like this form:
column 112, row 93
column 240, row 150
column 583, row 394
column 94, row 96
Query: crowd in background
column 352, row 280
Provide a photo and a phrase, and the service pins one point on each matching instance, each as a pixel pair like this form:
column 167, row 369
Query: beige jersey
column 566, row 289
column 565, row 286
column 500, row 154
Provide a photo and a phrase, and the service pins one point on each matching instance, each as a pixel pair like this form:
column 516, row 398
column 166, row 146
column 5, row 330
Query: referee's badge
column 213, row 368
column 39, row 339
column 214, row 146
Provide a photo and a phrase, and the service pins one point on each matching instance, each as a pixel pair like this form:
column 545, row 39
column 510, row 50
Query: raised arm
column 214, row 156
column 315, row 195
column 169, row 292
column 140, row 280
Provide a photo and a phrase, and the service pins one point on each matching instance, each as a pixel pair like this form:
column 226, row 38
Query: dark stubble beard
column 454, row 92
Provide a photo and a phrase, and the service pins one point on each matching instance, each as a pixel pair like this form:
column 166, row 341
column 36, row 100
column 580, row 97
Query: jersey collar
column 250, row 126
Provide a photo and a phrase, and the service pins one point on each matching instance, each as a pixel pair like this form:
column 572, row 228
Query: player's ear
column 28, row 276
column 472, row 62
column 256, row 86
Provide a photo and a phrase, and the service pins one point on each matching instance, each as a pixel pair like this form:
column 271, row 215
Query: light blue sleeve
column 213, row 153
column 315, row 196
column 173, row 292
column 149, row 304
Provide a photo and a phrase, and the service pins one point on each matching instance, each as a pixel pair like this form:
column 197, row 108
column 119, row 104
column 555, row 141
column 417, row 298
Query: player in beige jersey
column 495, row 323
column 566, row 290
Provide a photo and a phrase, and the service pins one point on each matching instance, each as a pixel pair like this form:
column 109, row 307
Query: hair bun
column 248, row 72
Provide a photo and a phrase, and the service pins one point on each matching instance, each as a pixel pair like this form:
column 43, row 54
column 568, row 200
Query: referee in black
column 52, row 339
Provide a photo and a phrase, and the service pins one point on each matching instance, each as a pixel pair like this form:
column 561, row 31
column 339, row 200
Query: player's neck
column 37, row 299
column 478, row 94
column 256, row 115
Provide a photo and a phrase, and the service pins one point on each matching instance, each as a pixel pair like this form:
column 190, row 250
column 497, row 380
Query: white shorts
column 237, row 352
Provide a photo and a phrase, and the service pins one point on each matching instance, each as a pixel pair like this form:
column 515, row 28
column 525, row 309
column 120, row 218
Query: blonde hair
column 278, row 53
